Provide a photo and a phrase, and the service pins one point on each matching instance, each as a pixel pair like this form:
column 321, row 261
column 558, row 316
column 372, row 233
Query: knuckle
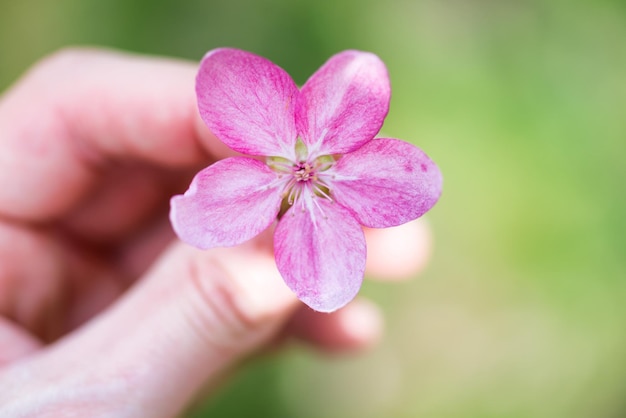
column 228, row 310
column 216, row 315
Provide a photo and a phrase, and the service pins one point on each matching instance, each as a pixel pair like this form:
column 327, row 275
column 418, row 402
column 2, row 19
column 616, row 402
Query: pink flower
column 321, row 161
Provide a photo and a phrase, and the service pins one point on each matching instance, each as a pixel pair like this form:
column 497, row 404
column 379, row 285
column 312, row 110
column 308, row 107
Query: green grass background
column 523, row 106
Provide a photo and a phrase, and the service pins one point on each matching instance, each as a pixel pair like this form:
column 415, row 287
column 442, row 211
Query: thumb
column 192, row 316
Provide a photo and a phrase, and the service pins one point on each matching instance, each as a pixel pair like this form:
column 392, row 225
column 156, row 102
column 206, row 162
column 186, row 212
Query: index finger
column 79, row 109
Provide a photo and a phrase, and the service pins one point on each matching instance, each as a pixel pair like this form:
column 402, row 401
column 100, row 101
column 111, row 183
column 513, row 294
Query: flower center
column 303, row 180
column 304, row 183
column 303, row 171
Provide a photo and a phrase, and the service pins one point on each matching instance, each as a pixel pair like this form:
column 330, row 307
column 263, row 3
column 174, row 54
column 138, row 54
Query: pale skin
column 102, row 311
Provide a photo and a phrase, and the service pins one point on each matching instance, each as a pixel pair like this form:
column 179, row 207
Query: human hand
column 102, row 311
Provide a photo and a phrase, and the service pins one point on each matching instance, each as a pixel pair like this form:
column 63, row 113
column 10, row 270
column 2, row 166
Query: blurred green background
column 523, row 106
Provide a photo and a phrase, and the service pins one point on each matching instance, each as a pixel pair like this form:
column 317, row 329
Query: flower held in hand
column 321, row 161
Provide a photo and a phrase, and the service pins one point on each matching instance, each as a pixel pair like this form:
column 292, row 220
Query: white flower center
column 305, row 180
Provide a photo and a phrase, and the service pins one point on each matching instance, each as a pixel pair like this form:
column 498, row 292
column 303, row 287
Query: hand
column 102, row 311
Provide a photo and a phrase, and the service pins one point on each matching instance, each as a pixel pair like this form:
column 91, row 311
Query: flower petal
column 343, row 105
column 226, row 204
column 386, row 182
column 321, row 255
column 247, row 102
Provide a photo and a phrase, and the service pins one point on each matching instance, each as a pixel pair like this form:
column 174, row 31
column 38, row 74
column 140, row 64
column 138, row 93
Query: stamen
column 303, row 171
column 303, row 180
column 302, row 201
column 319, row 207
column 293, row 195
column 288, row 186
column 320, row 191
column 276, row 182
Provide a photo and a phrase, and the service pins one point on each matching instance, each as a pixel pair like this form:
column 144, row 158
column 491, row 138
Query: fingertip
column 399, row 252
column 362, row 322
column 357, row 326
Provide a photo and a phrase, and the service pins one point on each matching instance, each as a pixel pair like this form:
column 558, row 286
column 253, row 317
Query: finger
column 194, row 315
column 31, row 275
column 138, row 254
column 15, row 342
column 78, row 110
column 125, row 200
column 357, row 326
column 400, row 252
column 47, row 288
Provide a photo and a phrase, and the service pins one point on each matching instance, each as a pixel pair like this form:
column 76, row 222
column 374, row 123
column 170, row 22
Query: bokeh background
column 523, row 105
